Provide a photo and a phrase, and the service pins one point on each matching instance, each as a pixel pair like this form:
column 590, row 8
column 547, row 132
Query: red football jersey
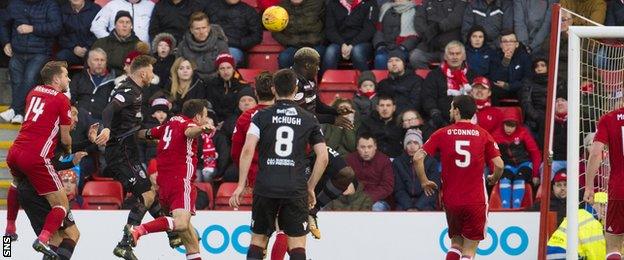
column 176, row 157
column 610, row 132
column 47, row 110
column 464, row 149
column 238, row 140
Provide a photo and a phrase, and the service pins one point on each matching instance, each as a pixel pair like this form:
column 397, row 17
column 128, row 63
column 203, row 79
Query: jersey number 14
column 35, row 107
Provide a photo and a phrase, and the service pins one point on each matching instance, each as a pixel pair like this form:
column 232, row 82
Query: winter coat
column 615, row 14
column 104, row 22
column 203, row 54
column 560, row 141
column 172, row 18
column 434, row 95
column 116, row 49
column 389, row 30
column 533, row 101
column 518, row 147
column 350, row 27
column 305, row 24
column 480, row 60
column 340, row 139
column 447, row 14
column 594, row 10
column 363, row 105
column 45, row 18
column 532, row 22
column 162, row 68
column 240, row 22
column 85, row 94
column 519, row 68
column 358, row 201
column 407, row 191
column 389, row 135
column 494, row 17
column 405, row 89
column 197, row 90
column 557, row 205
column 76, row 26
column 490, row 118
column 376, row 175
column 224, row 95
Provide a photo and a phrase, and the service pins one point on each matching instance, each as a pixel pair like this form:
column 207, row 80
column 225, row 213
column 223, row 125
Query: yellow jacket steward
column 592, row 245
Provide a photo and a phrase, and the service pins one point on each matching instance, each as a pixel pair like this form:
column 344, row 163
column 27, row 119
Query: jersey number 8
column 284, row 141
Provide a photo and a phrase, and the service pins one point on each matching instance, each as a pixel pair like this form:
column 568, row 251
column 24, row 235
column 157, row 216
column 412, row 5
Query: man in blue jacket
column 27, row 35
column 76, row 37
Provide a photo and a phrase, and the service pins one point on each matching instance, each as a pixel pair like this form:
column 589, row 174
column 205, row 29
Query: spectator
column 202, row 44
column 493, row 15
column 566, row 22
column 304, row 29
column 439, row 22
column 441, row 85
column 223, row 90
column 241, row 24
column 163, row 47
column 532, row 24
column 158, row 113
column 209, row 153
column 488, row 117
column 533, row 99
column 70, row 184
column 4, row 59
column 558, row 195
column 373, row 170
column 27, row 36
column 479, row 55
column 402, row 84
column 91, row 88
column 245, row 99
column 349, row 28
column 408, row 194
column 560, row 133
column 511, row 66
column 342, row 140
column 76, row 38
column 365, row 98
column 522, row 158
column 139, row 12
column 411, row 119
column 351, row 200
column 594, row 10
column 185, row 84
column 382, row 126
column 172, row 17
column 119, row 43
column 615, row 14
column 395, row 31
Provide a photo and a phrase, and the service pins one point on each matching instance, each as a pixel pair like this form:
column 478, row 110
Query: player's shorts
column 467, row 220
column 615, row 217
column 177, row 194
column 291, row 215
column 37, row 207
column 123, row 164
column 39, row 171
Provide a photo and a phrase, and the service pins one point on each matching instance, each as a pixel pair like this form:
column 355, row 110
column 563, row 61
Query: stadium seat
column 422, row 72
column 103, row 195
column 380, row 74
column 222, row 200
column 249, row 75
column 495, row 200
column 264, row 55
column 328, row 97
column 341, row 83
column 207, row 187
column 516, row 110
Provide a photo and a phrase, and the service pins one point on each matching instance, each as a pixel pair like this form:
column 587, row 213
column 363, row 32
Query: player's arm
column 593, row 164
column 499, row 165
column 66, row 139
column 194, row 131
column 419, row 166
column 65, row 122
column 322, row 159
column 243, row 168
column 118, row 103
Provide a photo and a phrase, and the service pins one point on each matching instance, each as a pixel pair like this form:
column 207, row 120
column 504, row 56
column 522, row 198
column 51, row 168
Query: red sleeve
column 239, row 136
column 157, row 132
column 491, row 148
column 602, row 134
column 534, row 152
column 431, row 146
column 64, row 110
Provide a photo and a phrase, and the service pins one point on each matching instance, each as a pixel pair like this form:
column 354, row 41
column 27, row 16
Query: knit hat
column 247, row 91
column 397, row 53
column 560, row 176
column 160, row 104
column 412, row 135
column 164, row 37
column 483, row 81
column 123, row 13
column 366, row 76
column 225, row 57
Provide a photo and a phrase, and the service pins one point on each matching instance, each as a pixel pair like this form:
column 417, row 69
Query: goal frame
column 575, row 34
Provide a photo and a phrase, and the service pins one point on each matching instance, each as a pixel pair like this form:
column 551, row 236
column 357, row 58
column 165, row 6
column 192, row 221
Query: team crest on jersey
column 298, row 96
column 517, row 140
column 489, row 117
column 120, row 97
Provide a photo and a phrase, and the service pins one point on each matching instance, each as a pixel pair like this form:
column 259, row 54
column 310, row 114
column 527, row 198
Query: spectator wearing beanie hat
column 139, row 12
column 401, row 84
column 365, row 98
column 223, row 90
column 163, row 47
column 488, row 117
column 119, row 42
column 407, row 191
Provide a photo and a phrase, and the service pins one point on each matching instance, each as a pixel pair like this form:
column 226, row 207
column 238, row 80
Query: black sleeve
column 118, row 102
column 324, row 113
column 316, row 136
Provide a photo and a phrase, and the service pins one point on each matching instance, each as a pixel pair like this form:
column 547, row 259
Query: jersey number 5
column 167, row 137
column 284, row 141
column 35, row 107
column 460, row 149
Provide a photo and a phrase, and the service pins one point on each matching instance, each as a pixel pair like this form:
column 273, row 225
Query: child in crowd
column 163, row 47
column 365, row 99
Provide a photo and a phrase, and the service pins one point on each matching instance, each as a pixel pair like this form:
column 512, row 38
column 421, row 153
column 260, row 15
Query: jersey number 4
column 35, row 107
column 460, row 149
column 167, row 137
column 284, row 141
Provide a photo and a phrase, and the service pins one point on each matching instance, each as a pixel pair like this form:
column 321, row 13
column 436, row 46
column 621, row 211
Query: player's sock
column 614, row 256
column 280, row 247
column 466, row 257
column 518, row 193
column 255, row 253
column 194, row 256
column 155, row 210
column 12, row 209
column 453, row 254
column 157, row 225
column 66, row 249
column 53, row 221
column 297, row 253
column 137, row 212
column 330, row 192
column 505, row 192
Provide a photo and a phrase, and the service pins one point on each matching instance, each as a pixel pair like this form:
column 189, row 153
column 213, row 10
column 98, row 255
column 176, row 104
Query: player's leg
column 12, row 210
column 191, row 243
column 292, row 216
column 505, row 186
column 473, row 226
column 280, row 247
column 64, row 242
column 614, row 246
column 469, row 249
column 263, row 214
column 455, row 252
column 614, row 229
column 524, row 173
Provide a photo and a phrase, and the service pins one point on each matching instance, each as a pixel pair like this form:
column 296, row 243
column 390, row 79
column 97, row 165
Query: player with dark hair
column 464, row 149
column 121, row 120
column 281, row 191
column 177, row 159
column 609, row 134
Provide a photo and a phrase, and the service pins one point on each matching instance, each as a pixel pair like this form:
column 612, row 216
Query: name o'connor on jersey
column 280, row 162
column 471, row 132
